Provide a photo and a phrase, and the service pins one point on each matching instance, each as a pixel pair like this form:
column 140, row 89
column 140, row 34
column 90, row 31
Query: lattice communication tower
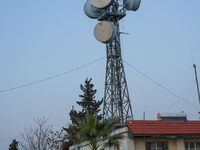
column 109, row 13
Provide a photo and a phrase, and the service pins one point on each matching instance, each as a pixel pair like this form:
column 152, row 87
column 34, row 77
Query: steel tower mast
column 116, row 96
column 109, row 12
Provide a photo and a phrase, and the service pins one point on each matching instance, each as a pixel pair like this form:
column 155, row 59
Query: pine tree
column 88, row 101
column 89, row 106
column 13, row 145
column 74, row 115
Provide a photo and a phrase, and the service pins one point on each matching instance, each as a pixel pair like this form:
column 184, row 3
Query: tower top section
column 102, row 9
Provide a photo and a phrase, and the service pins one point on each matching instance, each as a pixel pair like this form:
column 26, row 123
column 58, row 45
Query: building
column 164, row 134
column 159, row 134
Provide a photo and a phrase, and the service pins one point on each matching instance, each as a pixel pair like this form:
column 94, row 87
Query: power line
column 9, row 138
column 55, row 76
column 161, row 86
column 182, row 94
column 187, row 97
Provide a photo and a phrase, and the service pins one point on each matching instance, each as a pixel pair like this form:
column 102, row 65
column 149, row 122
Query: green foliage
column 13, row 145
column 114, row 140
column 87, row 102
column 94, row 132
column 89, row 105
column 74, row 114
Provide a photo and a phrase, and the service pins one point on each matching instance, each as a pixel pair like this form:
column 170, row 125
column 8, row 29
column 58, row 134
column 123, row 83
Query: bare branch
column 36, row 138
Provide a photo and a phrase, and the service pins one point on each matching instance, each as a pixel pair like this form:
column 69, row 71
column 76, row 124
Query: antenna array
column 109, row 13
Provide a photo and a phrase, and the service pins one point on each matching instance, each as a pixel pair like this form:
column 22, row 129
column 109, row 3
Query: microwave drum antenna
column 109, row 13
column 101, row 3
column 91, row 11
column 132, row 4
column 105, row 32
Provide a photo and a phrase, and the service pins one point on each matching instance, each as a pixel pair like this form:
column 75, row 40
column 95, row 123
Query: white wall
column 174, row 143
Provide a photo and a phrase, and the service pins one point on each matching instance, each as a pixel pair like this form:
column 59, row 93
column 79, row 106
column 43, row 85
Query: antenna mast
column 109, row 12
column 116, row 96
column 196, row 81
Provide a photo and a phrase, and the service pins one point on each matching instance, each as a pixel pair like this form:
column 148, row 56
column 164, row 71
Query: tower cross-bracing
column 116, row 97
column 109, row 12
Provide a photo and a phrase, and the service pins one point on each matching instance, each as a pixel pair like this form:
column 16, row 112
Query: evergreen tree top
column 88, row 101
column 13, row 145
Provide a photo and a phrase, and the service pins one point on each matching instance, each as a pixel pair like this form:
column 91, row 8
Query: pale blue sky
column 40, row 39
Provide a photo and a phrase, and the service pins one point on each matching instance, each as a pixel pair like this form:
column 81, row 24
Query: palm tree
column 94, row 132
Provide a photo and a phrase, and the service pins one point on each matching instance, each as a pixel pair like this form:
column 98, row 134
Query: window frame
column 195, row 145
column 156, row 145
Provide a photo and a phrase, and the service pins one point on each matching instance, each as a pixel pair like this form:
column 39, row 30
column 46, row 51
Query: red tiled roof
column 163, row 127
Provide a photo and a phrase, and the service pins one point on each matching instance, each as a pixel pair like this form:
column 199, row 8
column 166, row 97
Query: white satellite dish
column 105, row 32
column 101, row 3
column 132, row 4
column 91, row 11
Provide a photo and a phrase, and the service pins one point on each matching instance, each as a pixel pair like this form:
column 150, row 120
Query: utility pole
column 196, row 81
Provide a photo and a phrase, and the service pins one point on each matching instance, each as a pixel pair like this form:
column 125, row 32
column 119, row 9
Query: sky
column 54, row 38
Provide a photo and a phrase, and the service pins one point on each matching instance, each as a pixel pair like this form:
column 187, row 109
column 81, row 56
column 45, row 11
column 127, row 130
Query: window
column 192, row 145
column 77, row 148
column 156, row 146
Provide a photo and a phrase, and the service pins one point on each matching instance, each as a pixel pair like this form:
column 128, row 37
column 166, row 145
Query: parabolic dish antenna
column 109, row 12
column 91, row 11
column 101, row 3
column 105, row 32
column 132, row 4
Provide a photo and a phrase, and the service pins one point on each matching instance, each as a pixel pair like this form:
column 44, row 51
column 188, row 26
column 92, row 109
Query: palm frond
column 91, row 130
column 114, row 140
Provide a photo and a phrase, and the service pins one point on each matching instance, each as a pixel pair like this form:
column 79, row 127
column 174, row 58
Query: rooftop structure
column 172, row 116
column 160, row 128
